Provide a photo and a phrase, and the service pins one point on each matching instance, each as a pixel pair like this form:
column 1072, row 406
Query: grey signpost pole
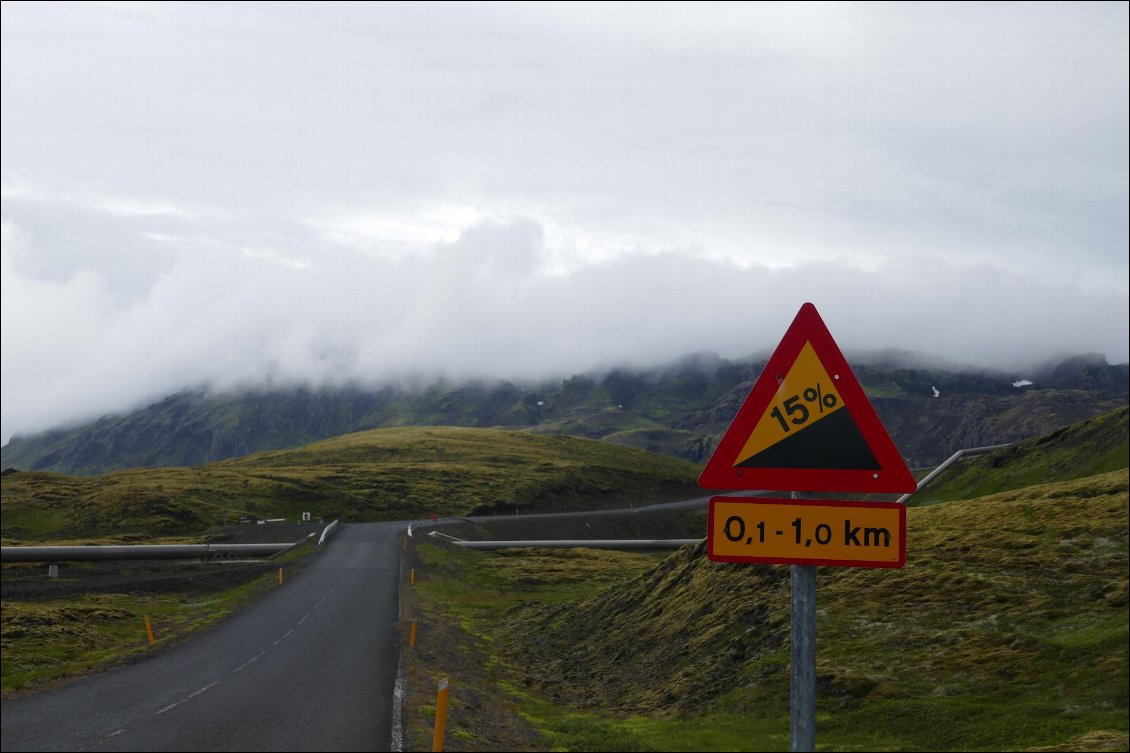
column 802, row 684
column 802, row 651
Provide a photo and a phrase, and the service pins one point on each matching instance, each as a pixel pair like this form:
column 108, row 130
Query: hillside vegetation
column 1008, row 628
column 680, row 409
column 1093, row 446
column 377, row 475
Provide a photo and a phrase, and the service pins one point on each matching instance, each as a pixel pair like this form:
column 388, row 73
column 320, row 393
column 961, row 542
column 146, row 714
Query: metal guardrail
column 295, row 545
column 672, row 543
column 95, row 553
column 110, row 552
column 580, row 543
column 969, row 452
column 449, row 537
column 326, row 532
column 568, row 543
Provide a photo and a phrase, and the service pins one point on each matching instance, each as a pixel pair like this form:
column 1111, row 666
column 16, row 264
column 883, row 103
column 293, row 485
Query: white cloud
column 239, row 193
column 119, row 205
column 483, row 306
column 387, row 234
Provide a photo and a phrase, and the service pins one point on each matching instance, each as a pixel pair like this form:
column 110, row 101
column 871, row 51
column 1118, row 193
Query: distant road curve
column 311, row 666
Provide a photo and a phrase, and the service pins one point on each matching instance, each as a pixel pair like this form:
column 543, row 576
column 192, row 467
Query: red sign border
column 894, row 476
column 806, row 560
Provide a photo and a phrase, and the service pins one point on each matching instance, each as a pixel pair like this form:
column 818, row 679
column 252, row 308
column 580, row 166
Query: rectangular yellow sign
column 807, row 532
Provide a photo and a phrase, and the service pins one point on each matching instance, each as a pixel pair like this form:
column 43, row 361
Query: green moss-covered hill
column 386, row 474
column 1093, row 446
column 680, row 409
column 1006, row 630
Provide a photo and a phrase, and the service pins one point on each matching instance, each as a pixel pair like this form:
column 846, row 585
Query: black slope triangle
column 832, row 442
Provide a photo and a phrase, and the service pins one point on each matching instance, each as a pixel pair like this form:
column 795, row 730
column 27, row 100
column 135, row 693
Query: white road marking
column 304, row 618
column 285, row 636
column 248, row 663
column 398, row 693
column 189, row 697
column 105, row 739
column 400, row 689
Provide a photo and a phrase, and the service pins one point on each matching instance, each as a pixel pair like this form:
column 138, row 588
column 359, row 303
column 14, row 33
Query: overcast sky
column 255, row 193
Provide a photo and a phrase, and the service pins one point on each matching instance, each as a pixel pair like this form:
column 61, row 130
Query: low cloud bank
column 228, row 315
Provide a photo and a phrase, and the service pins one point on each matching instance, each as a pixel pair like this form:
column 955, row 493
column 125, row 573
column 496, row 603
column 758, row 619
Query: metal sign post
column 802, row 649
column 802, row 653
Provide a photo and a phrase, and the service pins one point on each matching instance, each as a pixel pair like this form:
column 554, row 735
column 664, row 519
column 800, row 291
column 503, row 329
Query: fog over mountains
column 680, row 409
column 311, row 196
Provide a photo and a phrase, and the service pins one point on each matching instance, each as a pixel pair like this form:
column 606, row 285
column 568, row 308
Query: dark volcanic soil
column 30, row 582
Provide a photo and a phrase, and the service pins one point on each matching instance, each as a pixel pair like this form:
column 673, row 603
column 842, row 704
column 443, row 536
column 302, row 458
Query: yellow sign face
column 812, row 532
column 805, row 395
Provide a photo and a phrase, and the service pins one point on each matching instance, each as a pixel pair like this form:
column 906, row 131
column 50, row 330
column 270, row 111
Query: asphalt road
column 312, row 666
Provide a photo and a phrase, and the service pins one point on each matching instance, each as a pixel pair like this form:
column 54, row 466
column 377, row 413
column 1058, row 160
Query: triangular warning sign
column 807, row 425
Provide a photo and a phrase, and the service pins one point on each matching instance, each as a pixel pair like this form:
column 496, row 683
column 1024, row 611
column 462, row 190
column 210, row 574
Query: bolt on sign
column 807, row 425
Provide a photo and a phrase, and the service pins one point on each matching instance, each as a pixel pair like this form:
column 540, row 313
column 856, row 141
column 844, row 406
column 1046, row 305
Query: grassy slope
column 45, row 641
column 1006, row 629
column 459, row 598
column 50, row 640
column 383, row 474
column 1096, row 445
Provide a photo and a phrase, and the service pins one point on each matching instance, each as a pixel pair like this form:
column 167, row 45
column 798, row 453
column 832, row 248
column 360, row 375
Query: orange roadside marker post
column 441, row 717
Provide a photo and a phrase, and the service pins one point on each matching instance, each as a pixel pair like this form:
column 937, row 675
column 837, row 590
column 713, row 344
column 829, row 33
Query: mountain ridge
column 680, row 409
